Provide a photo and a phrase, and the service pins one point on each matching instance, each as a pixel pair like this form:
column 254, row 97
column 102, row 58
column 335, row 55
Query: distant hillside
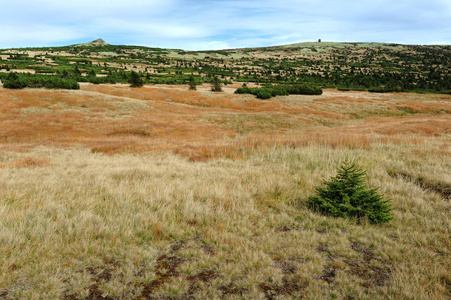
column 328, row 46
column 96, row 43
column 342, row 45
column 379, row 67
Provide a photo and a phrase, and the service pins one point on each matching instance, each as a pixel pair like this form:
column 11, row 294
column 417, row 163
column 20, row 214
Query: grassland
column 110, row 192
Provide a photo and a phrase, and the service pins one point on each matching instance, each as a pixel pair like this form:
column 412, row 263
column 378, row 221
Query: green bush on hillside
column 346, row 195
column 264, row 94
column 244, row 89
column 20, row 81
column 13, row 81
column 269, row 91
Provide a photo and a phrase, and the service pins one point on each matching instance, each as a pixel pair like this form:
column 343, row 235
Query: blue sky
column 220, row 24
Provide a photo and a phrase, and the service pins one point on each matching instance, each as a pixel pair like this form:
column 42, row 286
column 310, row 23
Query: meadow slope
column 110, row 192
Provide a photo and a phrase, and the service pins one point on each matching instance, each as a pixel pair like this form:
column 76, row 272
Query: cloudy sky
column 220, row 24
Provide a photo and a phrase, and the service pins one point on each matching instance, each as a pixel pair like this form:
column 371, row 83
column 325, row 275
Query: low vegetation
column 216, row 85
column 20, row 81
column 113, row 192
column 269, row 90
column 353, row 66
column 346, row 195
column 135, row 80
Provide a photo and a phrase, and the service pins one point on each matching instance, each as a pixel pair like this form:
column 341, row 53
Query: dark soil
column 441, row 188
column 363, row 268
column 287, row 288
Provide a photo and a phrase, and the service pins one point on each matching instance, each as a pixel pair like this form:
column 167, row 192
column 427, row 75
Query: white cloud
column 222, row 23
column 152, row 28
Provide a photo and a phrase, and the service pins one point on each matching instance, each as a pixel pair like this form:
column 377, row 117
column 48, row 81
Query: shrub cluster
column 20, row 81
column 269, row 91
column 346, row 195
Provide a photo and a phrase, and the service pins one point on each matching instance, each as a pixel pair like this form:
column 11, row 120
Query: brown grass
column 118, row 119
column 26, row 162
column 203, row 195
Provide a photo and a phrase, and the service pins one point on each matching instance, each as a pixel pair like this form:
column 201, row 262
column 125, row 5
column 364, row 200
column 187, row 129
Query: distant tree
column 192, row 83
column 135, row 80
column 216, row 85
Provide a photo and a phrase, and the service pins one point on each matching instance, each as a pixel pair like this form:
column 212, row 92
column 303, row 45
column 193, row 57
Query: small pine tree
column 346, row 195
column 192, row 83
column 135, row 80
column 216, row 85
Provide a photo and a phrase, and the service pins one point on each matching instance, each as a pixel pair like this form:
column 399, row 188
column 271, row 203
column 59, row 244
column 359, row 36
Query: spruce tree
column 346, row 195
column 216, row 85
column 135, row 80
column 192, row 83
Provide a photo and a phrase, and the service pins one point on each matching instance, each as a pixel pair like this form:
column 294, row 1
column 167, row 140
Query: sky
column 222, row 24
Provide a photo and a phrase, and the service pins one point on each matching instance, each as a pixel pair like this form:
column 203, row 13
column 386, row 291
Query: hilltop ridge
column 95, row 43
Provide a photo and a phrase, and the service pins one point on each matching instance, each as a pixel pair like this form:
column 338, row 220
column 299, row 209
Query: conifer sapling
column 346, row 195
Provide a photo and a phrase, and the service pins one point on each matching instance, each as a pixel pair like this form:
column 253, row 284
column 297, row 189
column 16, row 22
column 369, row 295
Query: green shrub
column 305, row 89
column 264, row 93
column 135, row 80
column 192, row 83
column 216, row 85
column 244, row 89
column 14, row 84
column 346, row 195
column 20, row 81
column 269, row 90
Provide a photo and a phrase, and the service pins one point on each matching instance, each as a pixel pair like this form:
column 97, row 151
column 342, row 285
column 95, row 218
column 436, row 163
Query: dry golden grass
column 204, row 196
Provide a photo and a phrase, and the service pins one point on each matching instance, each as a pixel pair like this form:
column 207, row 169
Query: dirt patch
column 374, row 271
column 284, row 228
column 372, row 275
column 441, row 188
column 203, row 276
column 291, row 283
column 288, row 287
column 324, row 249
column 208, row 249
column 3, row 293
column 329, row 274
column 286, row 265
column 368, row 254
column 232, row 289
column 166, row 268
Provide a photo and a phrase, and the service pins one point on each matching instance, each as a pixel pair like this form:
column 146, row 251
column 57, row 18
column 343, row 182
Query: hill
column 95, row 43
column 355, row 66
